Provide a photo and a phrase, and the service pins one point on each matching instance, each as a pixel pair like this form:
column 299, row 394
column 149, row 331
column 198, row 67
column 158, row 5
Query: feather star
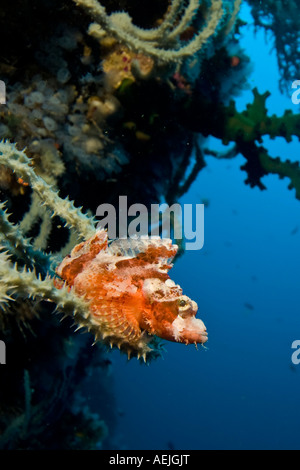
column 131, row 296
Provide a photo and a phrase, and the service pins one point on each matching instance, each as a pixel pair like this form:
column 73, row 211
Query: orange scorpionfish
column 131, row 296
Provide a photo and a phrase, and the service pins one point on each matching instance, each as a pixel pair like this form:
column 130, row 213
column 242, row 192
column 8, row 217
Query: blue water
column 242, row 391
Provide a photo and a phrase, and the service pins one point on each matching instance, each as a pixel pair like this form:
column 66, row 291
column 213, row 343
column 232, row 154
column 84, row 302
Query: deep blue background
column 243, row 391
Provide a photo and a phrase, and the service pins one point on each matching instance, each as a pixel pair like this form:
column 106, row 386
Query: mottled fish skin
column 130, row 291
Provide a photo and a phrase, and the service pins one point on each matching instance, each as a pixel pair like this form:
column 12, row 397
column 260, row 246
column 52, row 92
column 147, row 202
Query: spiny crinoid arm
column 162, row 43
column 11, row 237
column 19, row 163
column 26, row 283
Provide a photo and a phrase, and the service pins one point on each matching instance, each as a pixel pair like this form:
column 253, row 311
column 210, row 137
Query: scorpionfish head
column 173, row 315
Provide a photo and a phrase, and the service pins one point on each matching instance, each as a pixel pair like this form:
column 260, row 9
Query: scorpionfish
column 131, row 296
